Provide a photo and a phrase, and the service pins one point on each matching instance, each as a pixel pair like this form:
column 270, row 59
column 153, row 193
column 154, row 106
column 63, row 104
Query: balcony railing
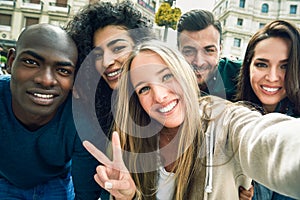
column 59, row 7
column 33, row 5
column 8, row 3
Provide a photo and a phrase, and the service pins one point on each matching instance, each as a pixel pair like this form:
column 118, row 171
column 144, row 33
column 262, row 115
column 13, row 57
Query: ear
column 11, row 55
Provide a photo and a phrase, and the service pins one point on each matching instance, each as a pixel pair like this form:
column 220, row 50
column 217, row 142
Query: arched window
column 265, row 8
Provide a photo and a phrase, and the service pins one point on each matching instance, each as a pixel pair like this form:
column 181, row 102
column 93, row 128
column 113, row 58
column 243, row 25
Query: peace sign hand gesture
column 113, row 175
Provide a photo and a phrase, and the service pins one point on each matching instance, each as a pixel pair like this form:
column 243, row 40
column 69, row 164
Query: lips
column 111, row 75
column 169, row 107
column 271, row 89
column 42, row 98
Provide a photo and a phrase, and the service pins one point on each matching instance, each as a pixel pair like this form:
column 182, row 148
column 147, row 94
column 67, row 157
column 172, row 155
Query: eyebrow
column 210, row 46
column 266, row 60
column 157, row 73
column 41, row 58
column 206, row 47
column 33, row 54
column 111, row 43
column 115, row 41
column 188, row 47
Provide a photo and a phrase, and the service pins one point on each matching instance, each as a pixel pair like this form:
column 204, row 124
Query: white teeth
column 114, row 73
column 44, row 96
column 168, row 107
column 270, row 89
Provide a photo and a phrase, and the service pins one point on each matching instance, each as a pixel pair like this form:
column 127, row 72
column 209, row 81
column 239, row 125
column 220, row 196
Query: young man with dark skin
column 200, row 42
column 39, row 144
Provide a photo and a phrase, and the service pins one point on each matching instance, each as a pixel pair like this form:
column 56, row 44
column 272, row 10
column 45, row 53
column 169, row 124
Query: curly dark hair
column 101, row 14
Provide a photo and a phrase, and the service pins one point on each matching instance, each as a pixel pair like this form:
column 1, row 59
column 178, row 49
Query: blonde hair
column 131, row 121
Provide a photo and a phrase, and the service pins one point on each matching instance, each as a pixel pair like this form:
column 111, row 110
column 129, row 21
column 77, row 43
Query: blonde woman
column 175, row 149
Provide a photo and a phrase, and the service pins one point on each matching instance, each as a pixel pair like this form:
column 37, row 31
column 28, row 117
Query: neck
column 169, row 131
column 269, row 108
column 168, row 154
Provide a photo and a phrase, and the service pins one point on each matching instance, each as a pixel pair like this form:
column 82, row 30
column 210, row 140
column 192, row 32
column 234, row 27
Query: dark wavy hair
column 280, row 29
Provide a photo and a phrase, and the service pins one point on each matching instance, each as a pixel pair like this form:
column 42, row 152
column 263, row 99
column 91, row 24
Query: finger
column 117, row 152
column 113, row 173
column 106, row 174
column 97, row 179
column 118, row 184
column 101, row 157
column 102, row 173
column 120, row 189
column 245, row 194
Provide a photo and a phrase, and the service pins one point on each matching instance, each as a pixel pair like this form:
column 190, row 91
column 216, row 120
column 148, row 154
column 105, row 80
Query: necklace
column 168, row 134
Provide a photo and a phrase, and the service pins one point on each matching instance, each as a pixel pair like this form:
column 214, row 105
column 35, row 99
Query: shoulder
column 4, row 79
column 217, row 108
column 4, row 83
column 228, row 63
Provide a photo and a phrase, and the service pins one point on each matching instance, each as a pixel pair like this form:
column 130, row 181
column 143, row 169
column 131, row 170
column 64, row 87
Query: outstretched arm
column 113, row 175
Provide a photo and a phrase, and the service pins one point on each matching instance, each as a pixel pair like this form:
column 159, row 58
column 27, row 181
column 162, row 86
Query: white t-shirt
column 166, row 185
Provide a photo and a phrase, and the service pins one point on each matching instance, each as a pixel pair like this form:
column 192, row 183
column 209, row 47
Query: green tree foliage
column 167, row 16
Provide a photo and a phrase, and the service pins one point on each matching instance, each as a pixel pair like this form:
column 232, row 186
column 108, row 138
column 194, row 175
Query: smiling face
column 42, row 73
column 158, row 91
column 202, row 51
column 267, row 71
column 113, row 45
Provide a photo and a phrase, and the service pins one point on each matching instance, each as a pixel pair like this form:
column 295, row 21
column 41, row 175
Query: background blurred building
column 242, row 18
column 15, row 15
column 239, row 18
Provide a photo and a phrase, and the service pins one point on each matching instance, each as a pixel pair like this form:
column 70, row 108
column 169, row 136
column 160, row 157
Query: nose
column 273, row 74
column 108, row 59
column 198, row 60
column 160, row 93
column 46, row 77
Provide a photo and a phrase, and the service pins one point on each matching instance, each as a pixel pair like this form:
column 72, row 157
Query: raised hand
column 113, row 175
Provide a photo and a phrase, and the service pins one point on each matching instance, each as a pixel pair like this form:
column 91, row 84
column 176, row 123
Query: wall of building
column 47, row 11
column 231, row 14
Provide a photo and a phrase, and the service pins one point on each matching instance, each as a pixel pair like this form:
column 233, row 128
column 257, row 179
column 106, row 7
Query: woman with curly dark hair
column 105, row 34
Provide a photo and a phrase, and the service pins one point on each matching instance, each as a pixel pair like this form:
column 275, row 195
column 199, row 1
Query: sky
column 186, row 5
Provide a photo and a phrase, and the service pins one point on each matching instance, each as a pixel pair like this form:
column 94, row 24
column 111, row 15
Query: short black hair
column 196, row 20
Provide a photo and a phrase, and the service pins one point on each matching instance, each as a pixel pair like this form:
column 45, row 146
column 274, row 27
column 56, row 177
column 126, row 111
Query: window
column 237, row 42
column 240, row 22
column 61, row 3
column 226, row 4
column 293, row 9
column 30, row 21
column 5, row 20
column 265, row 8
column 242, row 3
column 35, row 1
column 224, row 23
column 261, row 25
